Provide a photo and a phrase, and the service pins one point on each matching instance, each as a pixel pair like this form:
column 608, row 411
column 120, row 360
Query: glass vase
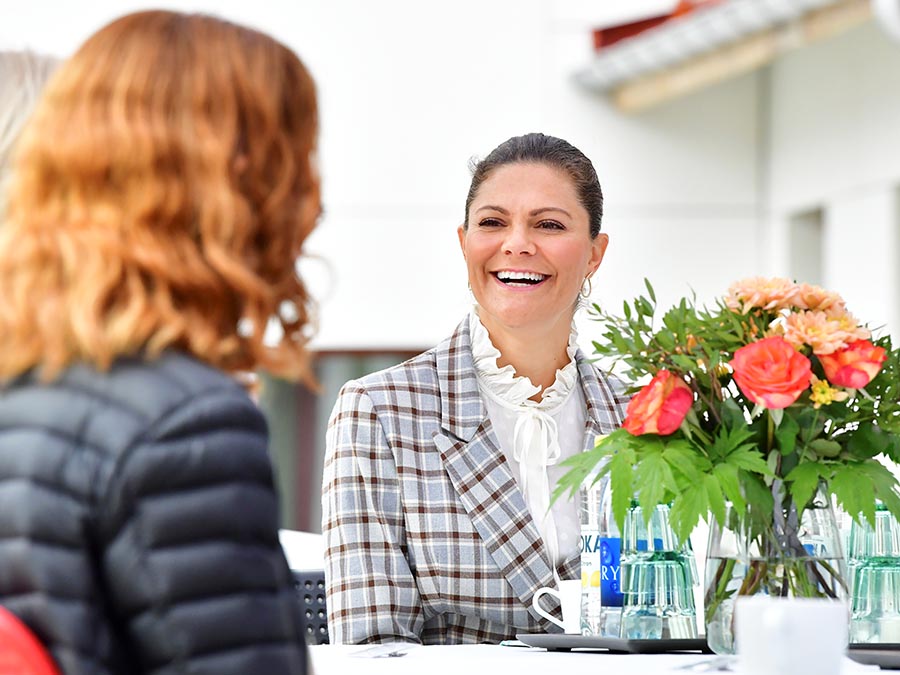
column 787, row 553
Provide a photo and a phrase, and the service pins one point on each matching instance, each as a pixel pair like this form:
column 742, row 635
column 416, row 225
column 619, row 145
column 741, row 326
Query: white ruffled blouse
column 535, row 436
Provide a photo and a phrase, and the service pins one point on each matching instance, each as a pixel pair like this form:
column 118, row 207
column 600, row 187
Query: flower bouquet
column 758, row 413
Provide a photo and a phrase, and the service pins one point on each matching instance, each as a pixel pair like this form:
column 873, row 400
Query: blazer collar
column 482, row 477
column 604, row 404
column 463, row 411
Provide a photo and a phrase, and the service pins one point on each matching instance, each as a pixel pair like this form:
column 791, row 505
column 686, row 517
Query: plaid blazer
column 427, row 536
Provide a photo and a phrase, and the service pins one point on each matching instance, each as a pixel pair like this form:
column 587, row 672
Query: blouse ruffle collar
column 517, row 390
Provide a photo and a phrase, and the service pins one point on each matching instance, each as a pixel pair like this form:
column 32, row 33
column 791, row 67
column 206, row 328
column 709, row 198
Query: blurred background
column 732, row 138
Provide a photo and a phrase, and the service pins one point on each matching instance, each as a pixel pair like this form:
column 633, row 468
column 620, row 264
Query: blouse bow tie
column 536, row 446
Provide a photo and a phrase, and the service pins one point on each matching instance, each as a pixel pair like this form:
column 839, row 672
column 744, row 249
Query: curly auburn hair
column 160, row 198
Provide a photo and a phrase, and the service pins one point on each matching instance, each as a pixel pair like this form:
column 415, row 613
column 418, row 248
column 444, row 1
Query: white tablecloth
column 496, row 660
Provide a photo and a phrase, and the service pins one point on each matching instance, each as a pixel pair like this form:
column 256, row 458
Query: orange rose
column 771, row 372
column 659, row 407
column 855, row 365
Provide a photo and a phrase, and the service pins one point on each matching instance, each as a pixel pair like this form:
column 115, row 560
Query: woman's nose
column 518, row 240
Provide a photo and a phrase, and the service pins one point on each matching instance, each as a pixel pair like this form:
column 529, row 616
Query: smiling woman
column 436, row 497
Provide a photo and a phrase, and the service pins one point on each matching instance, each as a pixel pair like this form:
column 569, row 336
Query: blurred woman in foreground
column 160, row 196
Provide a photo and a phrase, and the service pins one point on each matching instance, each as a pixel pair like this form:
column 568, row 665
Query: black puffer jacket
column 139, row 523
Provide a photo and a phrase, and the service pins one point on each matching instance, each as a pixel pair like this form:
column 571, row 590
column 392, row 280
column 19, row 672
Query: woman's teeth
column 521, row 278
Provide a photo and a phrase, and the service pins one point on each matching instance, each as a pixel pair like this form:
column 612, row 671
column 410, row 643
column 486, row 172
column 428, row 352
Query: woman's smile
column 520, row 279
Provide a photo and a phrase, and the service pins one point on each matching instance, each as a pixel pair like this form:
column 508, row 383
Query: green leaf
column 727, row 475
column 685, row 459
column 892, row 450
column 759, row 499
column 584, row 464
column 649, row 289
column 714, row 496
column 854, row 490
column 868, row 441
column 880, row 475
column 824, row 447
column 786, row 434
column 683, row 361
column 733, row 415
column 810, row 423
column 749, row 460
column 621, row 476
column 729, row 440
column 644, row 307
column 654, row 476
column 687, row 508
column 804, row 479
column 884, row 483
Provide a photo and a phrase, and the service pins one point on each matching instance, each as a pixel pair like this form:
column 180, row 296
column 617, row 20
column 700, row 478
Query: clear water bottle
column 589, row 512
column 658, row 576
column 601, row 597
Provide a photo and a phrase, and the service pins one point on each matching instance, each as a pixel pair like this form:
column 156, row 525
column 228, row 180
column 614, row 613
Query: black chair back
column 311, row 589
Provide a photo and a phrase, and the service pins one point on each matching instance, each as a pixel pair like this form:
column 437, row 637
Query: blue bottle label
column 610, row 589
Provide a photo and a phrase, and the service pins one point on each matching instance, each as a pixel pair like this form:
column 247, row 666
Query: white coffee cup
column 787, row 636
column 569, row 596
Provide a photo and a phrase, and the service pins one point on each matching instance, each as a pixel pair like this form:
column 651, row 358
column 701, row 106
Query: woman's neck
column 533, row 353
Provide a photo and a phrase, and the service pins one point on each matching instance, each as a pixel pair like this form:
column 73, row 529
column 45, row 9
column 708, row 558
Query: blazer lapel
column 605, row 405
column 482, row 477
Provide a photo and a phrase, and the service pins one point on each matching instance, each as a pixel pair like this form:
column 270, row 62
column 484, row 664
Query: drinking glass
column 658, row 575
column 874, row 556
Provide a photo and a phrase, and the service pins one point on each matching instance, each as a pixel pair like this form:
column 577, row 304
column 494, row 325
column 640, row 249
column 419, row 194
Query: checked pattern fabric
column 427, row 535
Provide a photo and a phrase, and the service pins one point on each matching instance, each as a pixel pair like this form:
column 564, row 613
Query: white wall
column 410, row 91
column 699, row 191
column 835, row 145
column 679, row 179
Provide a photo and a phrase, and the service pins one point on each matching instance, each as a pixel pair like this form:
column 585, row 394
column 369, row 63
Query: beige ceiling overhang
column 713, row 44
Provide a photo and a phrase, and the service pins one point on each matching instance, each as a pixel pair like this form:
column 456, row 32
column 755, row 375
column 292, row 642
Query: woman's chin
column 521, row 316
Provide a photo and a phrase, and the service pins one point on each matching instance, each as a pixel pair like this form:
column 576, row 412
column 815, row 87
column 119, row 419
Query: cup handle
column 536, row 603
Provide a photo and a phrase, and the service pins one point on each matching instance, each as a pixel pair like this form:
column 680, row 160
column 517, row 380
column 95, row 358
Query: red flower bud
column 855, row 365
column 660, row 407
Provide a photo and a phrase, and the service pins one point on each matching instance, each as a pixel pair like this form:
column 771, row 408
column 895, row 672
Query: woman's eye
column 551, row 225
column 490, row 222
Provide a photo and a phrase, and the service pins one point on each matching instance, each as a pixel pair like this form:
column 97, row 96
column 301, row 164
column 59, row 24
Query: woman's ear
column 598, row 250
column 461, row 233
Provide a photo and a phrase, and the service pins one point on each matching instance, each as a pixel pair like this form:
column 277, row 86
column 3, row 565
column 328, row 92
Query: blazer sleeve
column 371, row 592
column 189, row 548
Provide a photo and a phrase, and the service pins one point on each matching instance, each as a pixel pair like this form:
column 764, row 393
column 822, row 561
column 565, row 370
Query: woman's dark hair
column 543, row 149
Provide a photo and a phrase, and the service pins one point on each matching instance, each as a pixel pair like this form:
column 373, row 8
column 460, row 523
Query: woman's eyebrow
column 544, row 209
column 490, row 207
column 536, row 212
